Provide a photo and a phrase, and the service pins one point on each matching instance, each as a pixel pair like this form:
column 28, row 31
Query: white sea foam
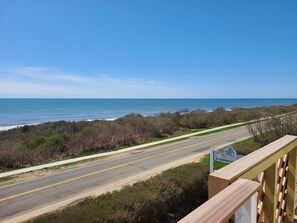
column 5, row 128
column 8, row 127
column 105, row 119
column 110, row 119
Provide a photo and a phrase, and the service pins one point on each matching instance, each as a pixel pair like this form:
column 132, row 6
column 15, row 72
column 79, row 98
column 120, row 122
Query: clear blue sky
column 150, row 49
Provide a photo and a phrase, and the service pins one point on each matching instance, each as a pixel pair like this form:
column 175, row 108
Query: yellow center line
column 112, row 168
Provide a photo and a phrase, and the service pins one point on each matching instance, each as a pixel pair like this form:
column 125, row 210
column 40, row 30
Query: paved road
column 21, row 198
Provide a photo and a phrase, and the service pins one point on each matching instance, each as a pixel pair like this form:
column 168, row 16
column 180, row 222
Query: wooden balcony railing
column 274, row 168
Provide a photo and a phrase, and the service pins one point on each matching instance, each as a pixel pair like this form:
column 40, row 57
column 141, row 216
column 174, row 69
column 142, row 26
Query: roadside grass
column 3, row 179
column 216, row 165
column 73, row 164
column 163, row 198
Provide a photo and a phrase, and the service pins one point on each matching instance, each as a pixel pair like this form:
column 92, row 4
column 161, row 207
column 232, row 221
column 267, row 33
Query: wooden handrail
column 250, row 166
column 221, row 207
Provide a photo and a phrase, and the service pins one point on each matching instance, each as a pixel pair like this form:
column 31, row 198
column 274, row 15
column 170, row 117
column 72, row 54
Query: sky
column 148, row 49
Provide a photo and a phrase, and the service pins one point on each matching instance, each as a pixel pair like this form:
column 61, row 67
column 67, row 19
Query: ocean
column 18, row 112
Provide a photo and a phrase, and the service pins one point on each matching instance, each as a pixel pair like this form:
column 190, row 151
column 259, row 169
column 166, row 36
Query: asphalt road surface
column 21, row 198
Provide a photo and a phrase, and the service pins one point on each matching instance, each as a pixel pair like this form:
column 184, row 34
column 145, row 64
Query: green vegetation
column 216, row 165
column 34, row 145
column 164, row 198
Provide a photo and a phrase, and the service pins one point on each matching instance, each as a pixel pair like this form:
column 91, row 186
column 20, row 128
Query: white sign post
column 211, row 160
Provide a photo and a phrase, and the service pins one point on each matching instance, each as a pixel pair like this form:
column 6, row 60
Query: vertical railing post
column 291, row 187
column 270, row 200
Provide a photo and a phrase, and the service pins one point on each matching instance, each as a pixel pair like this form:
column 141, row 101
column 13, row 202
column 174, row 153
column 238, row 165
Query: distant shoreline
column 19, row 112
column 9, row 127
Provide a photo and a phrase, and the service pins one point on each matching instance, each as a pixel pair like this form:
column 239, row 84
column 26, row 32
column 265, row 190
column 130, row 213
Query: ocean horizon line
column 244, row 98
column 25, row 111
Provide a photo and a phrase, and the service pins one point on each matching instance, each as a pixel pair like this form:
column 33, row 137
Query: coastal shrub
column 274, row 128
column 46, row 141
column 164, row 198
column 33, row 145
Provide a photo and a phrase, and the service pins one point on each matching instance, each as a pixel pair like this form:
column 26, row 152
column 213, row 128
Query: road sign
column 227, row 155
